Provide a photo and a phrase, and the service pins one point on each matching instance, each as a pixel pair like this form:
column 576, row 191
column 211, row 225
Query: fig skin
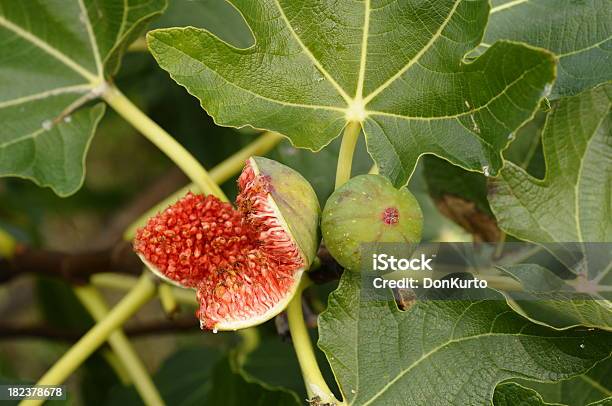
column 368, row 209
column 296, row 201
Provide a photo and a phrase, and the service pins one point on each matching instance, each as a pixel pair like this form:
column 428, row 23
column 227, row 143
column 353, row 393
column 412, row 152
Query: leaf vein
column 48, row 93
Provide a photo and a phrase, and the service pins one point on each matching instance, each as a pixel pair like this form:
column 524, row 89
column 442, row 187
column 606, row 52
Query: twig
column 76, row 268
column 10, row 331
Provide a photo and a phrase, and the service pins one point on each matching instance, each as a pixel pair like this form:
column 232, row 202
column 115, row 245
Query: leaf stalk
column 164, row 141
column 93, row 301
column 142, row 292
column 347, row 149
column 168, row 300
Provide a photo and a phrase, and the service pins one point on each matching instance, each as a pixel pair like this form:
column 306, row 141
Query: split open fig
column 245, row 262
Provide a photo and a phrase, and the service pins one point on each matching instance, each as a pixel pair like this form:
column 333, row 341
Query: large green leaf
column 442, row 352
column 49, row 154
column 578, row 32
column 572, row 202
column 462, row 195
column 395, row 67
column 56, row 55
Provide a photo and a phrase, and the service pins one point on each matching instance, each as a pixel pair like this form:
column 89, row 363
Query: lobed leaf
column 56, row 57
column 556, row 302
column 443, row 352
column 584, row 54
column 572, row 202
column 396, row 67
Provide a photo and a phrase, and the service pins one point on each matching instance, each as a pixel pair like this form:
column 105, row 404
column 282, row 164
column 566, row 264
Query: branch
column 10, row 331
column 76, row 268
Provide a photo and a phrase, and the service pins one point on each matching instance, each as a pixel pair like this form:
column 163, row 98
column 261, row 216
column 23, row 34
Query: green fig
column 368, row 209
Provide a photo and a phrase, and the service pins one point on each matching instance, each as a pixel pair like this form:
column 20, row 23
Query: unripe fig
column 245, row 263
column 368, row 209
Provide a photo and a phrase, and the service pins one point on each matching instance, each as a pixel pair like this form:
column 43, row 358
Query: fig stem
column 313, row 379
column 347, row 148
column 141, row 293
column 164, row 141
column 93, row 301
column 219, row 174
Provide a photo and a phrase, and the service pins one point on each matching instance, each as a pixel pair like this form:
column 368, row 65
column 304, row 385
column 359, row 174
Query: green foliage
column 306, row 81
column 200, row 375
column 590, row 388
column 219, row 17
column 444, row 179
column 442, row 350
column 572, row 203
column 548, row 299
column 274, row 362
column 559, row 25
column 604, row 402
column 76, row 46
column 231, row 387
column 183, row 379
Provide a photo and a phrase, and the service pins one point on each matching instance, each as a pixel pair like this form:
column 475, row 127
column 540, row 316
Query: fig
column 245, row 263
column 368, row 209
